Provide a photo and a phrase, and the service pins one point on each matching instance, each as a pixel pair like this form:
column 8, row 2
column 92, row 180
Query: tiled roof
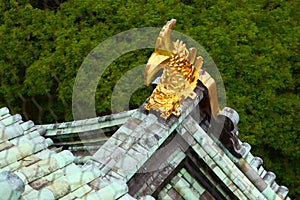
column 92, row 132
column 31, row 168
column 147, row 157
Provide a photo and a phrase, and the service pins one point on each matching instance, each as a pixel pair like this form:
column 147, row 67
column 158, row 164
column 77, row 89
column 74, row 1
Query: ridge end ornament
column 180, row 73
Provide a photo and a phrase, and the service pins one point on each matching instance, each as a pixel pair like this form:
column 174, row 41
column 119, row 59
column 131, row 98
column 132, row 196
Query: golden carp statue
column 179, row 77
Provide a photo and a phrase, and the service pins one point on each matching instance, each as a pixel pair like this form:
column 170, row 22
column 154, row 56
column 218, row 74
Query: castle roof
column 138, row 155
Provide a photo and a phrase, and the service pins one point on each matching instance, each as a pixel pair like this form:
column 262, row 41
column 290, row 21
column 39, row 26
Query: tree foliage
column 255, row 46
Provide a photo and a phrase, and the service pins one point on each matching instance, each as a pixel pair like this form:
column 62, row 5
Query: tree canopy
column 254, row 44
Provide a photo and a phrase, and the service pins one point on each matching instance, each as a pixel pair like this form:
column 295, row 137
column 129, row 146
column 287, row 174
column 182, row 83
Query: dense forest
column 255, row 46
